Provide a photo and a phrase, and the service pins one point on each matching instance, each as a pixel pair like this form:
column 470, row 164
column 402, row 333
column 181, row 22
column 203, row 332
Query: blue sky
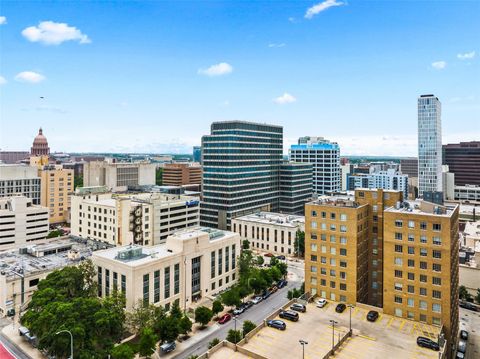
column 151, row 76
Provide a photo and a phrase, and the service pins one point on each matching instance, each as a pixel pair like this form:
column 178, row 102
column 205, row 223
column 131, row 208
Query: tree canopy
column 203, row 315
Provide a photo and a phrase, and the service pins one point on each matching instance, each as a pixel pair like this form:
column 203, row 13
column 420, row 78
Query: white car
column 257, row 300
column 321, row 303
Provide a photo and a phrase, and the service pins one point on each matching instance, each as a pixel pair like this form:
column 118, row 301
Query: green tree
column 203, row 315
column 167, row 328
column 123, row 351
column 477, row 296
column 231, row 297
column 213, row 342
column 217, row 307
column 283, row 268
column 159, row 176
column 143, row 316
column 148, row 340
column 55, row 233
column 259, row 260
column 248, row 326
column 274, row 273
column 175, row 311
column 234, row 336
column 184, row 325
column 299, row 243
column 193, row 356
column 245, row 244
column 245, row 263
column 274, row 261
column 77, row 182
column 464, row 294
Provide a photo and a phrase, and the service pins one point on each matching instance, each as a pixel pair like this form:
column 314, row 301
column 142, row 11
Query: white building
column 325, row 159
column 21, row 222
column 429, row 144
column 118, row 175
column 193, row 263
column 20, row 179
column 130, row 218
column 271, row 232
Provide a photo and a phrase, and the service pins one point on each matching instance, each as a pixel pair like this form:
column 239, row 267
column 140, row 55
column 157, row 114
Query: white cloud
column 318, row 8
column 54, row 33
column 3, row 20
column 284, row 99
column 439, row 65
column 292, row 19
column 217, row 70
column 466, row 56
column 29, row 76
column 3, row 81
column 277, row 45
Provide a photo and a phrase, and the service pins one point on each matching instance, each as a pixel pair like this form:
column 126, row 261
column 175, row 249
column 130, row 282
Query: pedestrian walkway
column 11, row 332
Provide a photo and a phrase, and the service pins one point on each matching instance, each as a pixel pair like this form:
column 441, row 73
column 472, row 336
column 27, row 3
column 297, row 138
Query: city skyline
column 299, row 67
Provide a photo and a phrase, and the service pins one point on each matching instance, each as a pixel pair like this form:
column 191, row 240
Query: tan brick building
column 180, row 174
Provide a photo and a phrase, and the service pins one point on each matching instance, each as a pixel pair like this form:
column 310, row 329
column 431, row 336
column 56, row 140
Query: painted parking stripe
column 390, row 321
column 402, row 324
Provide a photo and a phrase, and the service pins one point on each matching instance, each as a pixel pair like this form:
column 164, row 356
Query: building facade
column 429, row 144
column 270, row 232
column 421, row 264
column 180, row 174
column 295, row 187
column 193, row 264
column 336, row 250
column 20, row 180
column 468, row 193
column 241, row 162
column 463, row 159
column 409, row 166
column 388, row 180
column 21, row 222
column 197, row 154
column 40, row 145
column 325, row 159
column 10, row 157
column 118, row 175
column 132, row 218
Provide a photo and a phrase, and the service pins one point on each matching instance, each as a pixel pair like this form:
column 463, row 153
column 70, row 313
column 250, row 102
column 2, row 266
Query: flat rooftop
column 28, row 264
column 333, row 201
column 278, row 219
column 423, row 208
column 388, row 337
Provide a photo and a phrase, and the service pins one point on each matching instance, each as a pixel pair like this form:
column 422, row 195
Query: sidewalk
column 11, row 333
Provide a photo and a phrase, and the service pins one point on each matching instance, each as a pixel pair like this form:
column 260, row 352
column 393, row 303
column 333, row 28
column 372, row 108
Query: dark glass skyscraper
column 463, row 159
column 241, row 164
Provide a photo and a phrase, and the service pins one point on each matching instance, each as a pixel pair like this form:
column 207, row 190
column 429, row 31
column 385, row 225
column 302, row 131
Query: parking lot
column 387, row 337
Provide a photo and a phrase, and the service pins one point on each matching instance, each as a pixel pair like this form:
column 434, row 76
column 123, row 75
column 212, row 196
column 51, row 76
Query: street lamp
column 303, row 343
column 350, row 306
column 71, row 340
column 235, row 329
column 333, row 322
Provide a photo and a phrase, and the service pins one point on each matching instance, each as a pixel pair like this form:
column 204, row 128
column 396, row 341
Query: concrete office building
column 336, row 250
column 463, row 159
column 345, row 170
column 131, row 218
column 118, row 175
column 241, row 162
column 193, row 264
column 468, row 193
column 325, row 159
column 429, row 144
column 388, row 180
column 295, row 187
column 21, row 222
column 23, row 269
column 421, row 264
column 270, row 232
column 180, row 174
column 409, row 166
column 197, row 154
column 20, row 180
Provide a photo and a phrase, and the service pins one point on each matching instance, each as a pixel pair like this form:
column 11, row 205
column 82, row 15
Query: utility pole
column 350, row 306
column 303, row 343
column 333, row 322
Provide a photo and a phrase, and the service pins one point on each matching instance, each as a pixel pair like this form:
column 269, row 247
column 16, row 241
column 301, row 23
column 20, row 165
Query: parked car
column 266, row 294
column 224, row 318
column 281, row 283
column 340, row 307
column 372, row 316
column 168, row 347
column 273, row 289
column 460, row 355
column 257, row 300
column 462, row 346
column 298, row 307
column 238, row 310
column 281, row 257
column 268, row 255
column 463, row 334
column 468, row 305
column 289, row 314
column 248, row 304
column 427, row 343
column 277, row 324
column 321, row 302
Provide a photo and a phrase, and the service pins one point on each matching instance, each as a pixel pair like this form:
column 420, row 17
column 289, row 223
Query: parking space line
column 390, row 321
column 366, row 337
column 402, row 324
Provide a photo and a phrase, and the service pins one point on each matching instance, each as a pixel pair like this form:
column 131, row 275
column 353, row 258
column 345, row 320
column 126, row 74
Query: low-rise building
column 130, row 218
column 270, row 232
column 389, row 180
column 467, row 193
column 20, row 180
column 179, row 174
column 192, row 264
column 21, row 222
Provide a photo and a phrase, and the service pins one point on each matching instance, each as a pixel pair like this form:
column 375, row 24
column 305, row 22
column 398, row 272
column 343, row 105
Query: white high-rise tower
column 429, row 144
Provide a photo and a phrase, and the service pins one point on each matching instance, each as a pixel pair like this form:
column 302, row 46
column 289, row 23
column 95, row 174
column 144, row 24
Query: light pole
column 350, row 306
column 71, row 340
column 303, row 343
column 235, row 329
column 333, row 322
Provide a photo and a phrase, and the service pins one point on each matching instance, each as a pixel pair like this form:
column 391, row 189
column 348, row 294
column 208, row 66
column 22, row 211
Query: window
column 411, row 237
column 410, row 302
column 333, row 250
column 436, row 321
column 156, row 286
column 411, row 276
column 436, row 308
column 423, row 252
column 323, row 237
column 437, row 267
column 423, row 239
column 423, row 226
column 99, row 280
column 313, row 258
column 313, row 280
column 411, row 263
column 343, row 240
column 167, row 282
column 398, row 286
column 333, row 227
column 436, row 281
column 411, row 224
column 343, row 252
column 146, row 288
column 343, row 275
column 333, row 273
column 323, row 249
column 314, row 213
column 343, row 264
column 398, row 299
column 313, row 269
column 333, row 238
column 398, row 236
column 323, row 271
column 398, row 274
column 313, row 224
column 332, row 215
column 313, row 247
column 437, row 241
column 398, row 261
column 343, row 286
column 220, row 260
column 332, row 284
column 323, row 260
column 410, row 289
column 332, row 261
column 233, row 256
column 212, row 264
column 123, row 284
column 399, row 248
column 436, row 254
column 227, row 257
column 436, row 294
column 323, row 282
column 423, row 305
column 423, row 291
column 423, row 318
column 398, row 223
column 343, row 217
column 423, row 278
column 343, row 228
column 423, row 265
column 324, row 214
column 437, row 227
column 411, row 315
column 176, row 279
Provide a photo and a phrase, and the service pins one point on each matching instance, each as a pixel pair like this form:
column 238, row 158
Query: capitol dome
column 40, row 145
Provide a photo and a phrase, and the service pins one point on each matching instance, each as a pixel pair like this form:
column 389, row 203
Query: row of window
column 423, row 225
column 423, row 238
column 422, row 277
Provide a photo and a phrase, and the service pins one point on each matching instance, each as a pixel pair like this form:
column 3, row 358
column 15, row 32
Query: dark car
column 224, row 318
column 168, row 347
column 289, row 314
column 281, row 283
column 277, row 324
column 248, row 304
column 427, row 343
column 372, row 316
column 469, row 306
column 281, row 257
column 340, row 308
column 266, row 294
column 462, row 346
column 298, row 307
column 463, row 334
